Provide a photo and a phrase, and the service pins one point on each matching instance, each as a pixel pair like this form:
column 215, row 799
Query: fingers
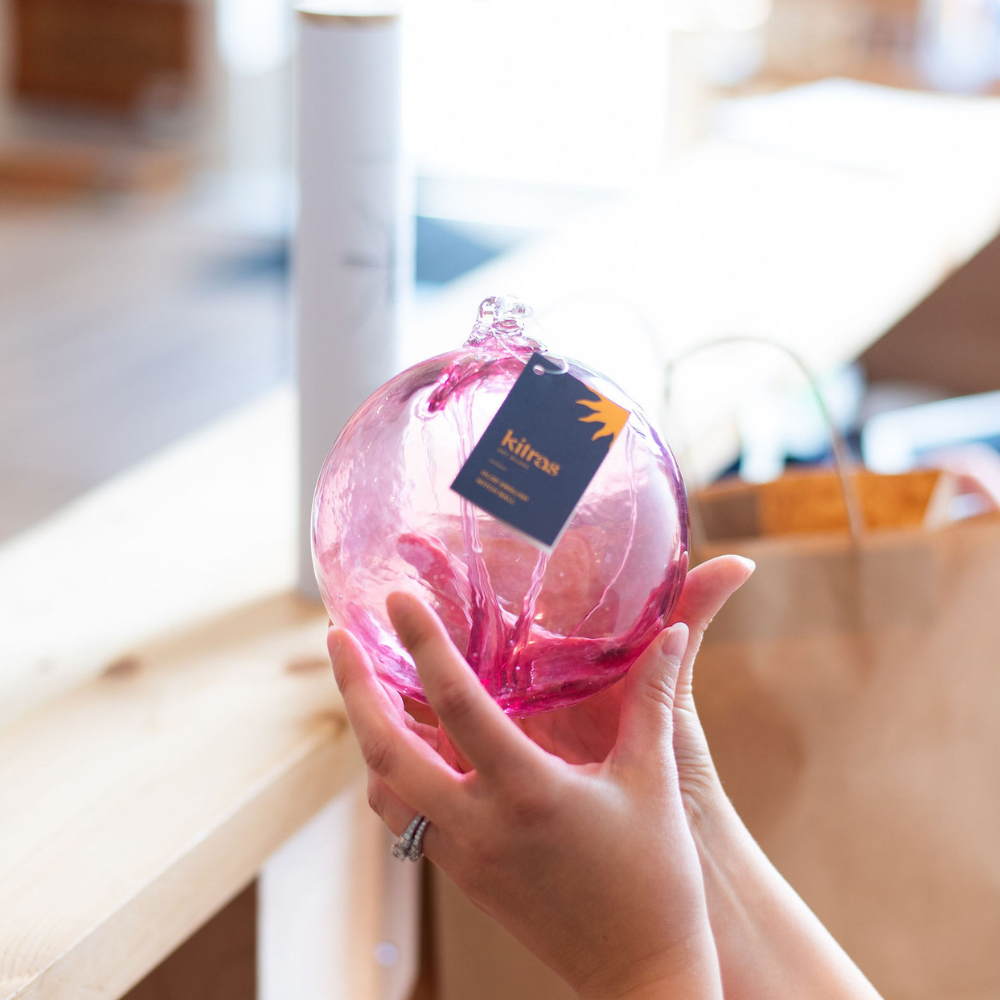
column 474, row 722
column 706, row 588
column 645, row 728
column 420, row 711
column 397, row 754
column 388, row 806
column 396, row 814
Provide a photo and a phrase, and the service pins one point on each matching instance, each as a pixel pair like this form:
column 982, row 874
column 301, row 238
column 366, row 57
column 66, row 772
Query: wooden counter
column 134, row 807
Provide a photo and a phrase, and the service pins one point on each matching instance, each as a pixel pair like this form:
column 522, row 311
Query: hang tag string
column 561, row 365
column 841, row 457
column 506, row 316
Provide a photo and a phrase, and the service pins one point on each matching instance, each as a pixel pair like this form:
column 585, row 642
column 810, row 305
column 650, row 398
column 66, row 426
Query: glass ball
column 540, row 630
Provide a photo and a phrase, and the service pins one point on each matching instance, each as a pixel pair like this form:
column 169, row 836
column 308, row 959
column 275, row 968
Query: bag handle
column 841, row 457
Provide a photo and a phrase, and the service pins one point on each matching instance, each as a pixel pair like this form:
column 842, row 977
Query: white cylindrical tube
column 349, row 256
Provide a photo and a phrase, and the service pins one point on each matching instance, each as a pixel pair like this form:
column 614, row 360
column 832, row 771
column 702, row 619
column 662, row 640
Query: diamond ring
column 411, row 845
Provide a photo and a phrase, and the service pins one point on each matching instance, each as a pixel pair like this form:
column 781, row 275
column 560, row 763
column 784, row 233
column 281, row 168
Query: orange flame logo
column 610, row 416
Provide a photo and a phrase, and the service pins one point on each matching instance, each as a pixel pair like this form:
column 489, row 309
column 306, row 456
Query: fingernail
column 674, row 642
column 396, row 606
column 399, row 605
column 749, row 563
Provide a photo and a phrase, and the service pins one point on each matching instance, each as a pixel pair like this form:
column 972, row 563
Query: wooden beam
column 952, row 338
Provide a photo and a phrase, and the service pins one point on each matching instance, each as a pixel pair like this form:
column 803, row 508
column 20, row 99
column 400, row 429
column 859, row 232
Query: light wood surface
column 339, row 16
column 136, row 806
column 202, row 529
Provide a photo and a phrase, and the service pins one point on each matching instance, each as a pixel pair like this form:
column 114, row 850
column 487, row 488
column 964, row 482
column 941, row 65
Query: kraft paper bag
column 850, row 692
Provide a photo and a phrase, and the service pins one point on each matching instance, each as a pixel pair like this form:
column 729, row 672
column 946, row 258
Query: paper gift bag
column 851, row 696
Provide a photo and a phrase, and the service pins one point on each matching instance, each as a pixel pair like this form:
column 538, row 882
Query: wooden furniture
column 104, row 54
column 171, row 769
column 42, row 171
column 967, row 361
column 155, row 793
column 170, row 719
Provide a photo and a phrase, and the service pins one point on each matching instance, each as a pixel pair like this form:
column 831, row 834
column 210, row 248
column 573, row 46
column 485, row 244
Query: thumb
column 645, row 726
column 706, row 589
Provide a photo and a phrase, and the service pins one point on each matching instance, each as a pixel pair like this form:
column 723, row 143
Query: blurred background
column 650, row 175
column 147, row 190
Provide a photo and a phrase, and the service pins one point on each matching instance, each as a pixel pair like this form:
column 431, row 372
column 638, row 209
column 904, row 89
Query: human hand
column 586, row 732
column 769, row 945
column 592, row 866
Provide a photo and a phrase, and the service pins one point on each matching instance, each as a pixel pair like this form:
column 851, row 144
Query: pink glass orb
column 540, row 630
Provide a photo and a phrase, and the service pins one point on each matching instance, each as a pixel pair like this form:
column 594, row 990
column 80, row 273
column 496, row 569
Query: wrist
column 688, row 972
column 770, row 945
column 689, row 987
column 716, row 828
column 676, row 988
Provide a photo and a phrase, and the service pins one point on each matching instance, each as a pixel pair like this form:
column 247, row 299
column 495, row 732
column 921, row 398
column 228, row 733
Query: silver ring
column 410, row 847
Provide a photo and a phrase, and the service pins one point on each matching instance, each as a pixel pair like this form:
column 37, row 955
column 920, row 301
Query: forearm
column 771, row 946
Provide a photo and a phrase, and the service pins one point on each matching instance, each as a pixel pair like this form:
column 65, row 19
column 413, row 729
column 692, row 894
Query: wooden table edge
column 124, row 947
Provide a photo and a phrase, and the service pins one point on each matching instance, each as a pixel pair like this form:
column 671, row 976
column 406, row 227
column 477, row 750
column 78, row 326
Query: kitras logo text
column 520, row 448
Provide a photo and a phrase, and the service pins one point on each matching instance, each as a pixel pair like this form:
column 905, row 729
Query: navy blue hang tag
column 541, row 450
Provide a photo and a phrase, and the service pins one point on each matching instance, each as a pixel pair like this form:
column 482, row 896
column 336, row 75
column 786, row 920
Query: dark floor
column 123, row 328
column 120, row 332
